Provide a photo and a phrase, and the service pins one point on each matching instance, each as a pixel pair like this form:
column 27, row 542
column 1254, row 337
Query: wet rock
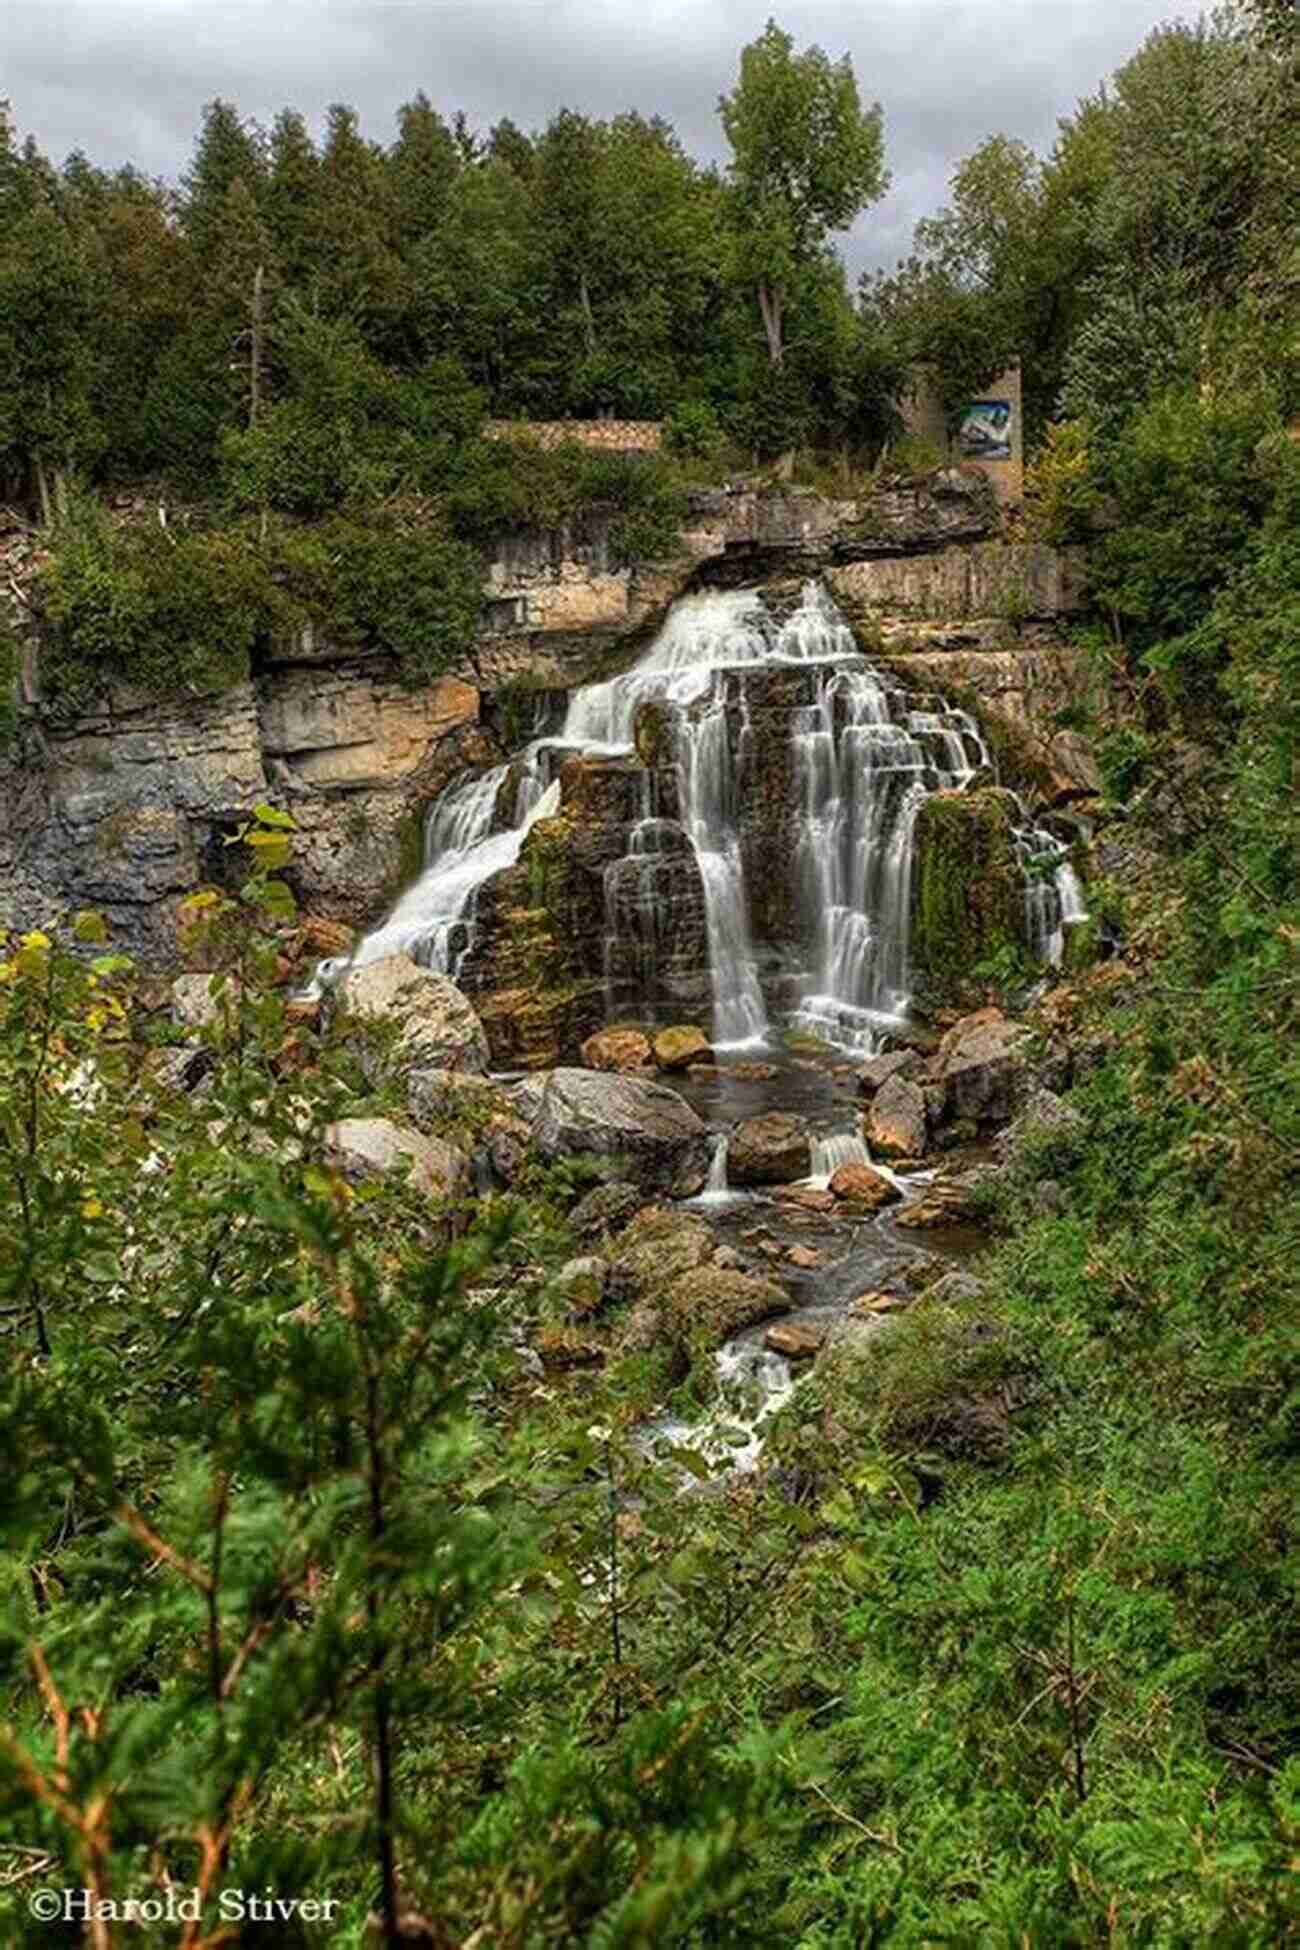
column 798, row 1340
column 196, row 1006
column 807, row 1198
column 859, row 1185
column 581, row 1284
column 769, row 1150
column 752, row 1072
column 678, row 1049
column 607, row 1209
column 366, row 1147
column 896, row 1121
column 803, row 1256
column 436, row 1025
column 653, row 1134
column 876, row 1302
column 893, row 1063
column 728, row 1258
column 617, row 1049
column 944, row 1203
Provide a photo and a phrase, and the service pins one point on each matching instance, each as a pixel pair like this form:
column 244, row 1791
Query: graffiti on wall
column 985, row 431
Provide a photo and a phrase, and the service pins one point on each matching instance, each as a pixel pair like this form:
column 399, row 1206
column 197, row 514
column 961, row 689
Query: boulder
column 331, row 939
column 805, row 1257
column 711, row 1303
column 1044, row 1115
column 651, row 1133
column 196, row 1006
column 657, row 1248
column 617, row 1049
column 858, row 1184
column 893, row 1063
column 896, row 1120
column 806, row 1198
column 437, row 1027
column 798, row 1340
column 437, row 1096
column 606, row 1209
column 677, row 1049
column 366, row 1147
column 982, row 1067
column 769, row 1150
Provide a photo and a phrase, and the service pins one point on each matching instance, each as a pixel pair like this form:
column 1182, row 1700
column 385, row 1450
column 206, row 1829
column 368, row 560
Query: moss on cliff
column 967, row 893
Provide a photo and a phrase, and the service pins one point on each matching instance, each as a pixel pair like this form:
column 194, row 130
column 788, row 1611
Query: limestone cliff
column 127, row 807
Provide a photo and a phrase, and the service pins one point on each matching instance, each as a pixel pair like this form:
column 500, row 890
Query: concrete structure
column 989, row 433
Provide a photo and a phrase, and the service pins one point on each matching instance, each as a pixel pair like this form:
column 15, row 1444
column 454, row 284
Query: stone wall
column 610, row 436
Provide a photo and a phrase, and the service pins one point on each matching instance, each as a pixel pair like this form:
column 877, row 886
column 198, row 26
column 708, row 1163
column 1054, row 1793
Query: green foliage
column 402, row 587
column 807, row 158
column 148, row 607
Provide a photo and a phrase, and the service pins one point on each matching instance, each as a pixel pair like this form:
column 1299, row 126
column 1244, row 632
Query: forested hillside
column 372, row 1535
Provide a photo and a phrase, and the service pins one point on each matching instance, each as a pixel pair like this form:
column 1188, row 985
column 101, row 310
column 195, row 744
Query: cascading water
column 865, row 755
column 432, row 922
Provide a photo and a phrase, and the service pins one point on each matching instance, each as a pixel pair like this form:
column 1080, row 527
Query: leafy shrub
column 153, row 609
column 693, row 429
column 413, row 592
column 1062, row 494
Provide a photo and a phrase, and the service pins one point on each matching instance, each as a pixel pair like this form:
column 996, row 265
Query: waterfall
column 829, row 1153
column 866, row 756
column 433, row 920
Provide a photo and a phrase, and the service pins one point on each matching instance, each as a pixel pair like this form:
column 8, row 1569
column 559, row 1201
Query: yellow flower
column 92, row 1209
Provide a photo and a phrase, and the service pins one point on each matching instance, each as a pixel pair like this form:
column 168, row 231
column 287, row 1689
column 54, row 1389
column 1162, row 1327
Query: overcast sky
column 125, row 79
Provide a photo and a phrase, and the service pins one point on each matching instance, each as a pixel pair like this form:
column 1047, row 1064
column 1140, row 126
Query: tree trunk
column 43, row 490
column 255, row 357
column 771, row 304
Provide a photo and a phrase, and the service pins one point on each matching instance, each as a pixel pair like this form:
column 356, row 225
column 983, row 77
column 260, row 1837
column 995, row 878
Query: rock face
column 896, row 1121
column 436, row 1025
column 364, row 1146
column 967, row 892
column 769, row 1150
column 645, row 1132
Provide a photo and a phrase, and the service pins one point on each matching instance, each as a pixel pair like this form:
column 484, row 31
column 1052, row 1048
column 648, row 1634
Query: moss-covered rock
column 967, row 893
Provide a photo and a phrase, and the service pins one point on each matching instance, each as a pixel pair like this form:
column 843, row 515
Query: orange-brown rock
column 617, row 1049
column 858, row 1184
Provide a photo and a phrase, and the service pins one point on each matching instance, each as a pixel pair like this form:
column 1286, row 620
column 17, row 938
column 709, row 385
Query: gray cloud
column 125, row 79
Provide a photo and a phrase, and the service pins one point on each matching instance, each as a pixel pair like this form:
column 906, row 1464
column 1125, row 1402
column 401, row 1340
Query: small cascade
column 710, row 806
column 432, row 922
column 829, row 1153
column 1053, row 895
column 753, row 1383
column 717, row 1190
